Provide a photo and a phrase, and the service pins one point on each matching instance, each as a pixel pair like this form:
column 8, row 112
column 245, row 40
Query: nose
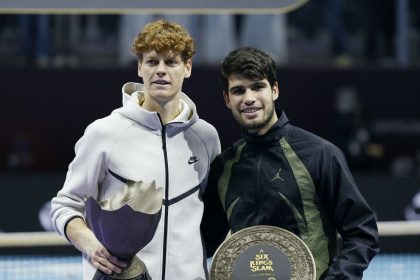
column 249, row 97
column 161, row 69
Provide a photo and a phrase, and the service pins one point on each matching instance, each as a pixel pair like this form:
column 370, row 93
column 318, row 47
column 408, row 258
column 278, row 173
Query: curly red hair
column 161, row 36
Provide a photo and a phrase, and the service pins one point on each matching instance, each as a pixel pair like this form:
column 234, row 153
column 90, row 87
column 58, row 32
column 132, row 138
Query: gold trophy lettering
column 263, row 253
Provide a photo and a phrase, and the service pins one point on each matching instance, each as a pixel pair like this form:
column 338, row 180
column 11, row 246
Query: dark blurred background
column 348, row 71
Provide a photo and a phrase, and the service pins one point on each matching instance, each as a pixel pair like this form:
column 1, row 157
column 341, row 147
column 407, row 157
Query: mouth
column 161, row 82
column 250, row 110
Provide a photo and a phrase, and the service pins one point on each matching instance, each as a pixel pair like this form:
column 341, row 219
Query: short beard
column 258, row 125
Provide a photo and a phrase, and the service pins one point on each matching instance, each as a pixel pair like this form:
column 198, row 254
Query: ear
column 188, row 66
column 226, row 98
column 139, row 70
column 275, row 91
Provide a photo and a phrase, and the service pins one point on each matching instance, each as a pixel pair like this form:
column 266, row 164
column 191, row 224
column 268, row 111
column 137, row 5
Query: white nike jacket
column 132, row 144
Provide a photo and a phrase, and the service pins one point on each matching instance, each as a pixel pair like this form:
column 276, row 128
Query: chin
column 161, row 93
column 164, row 97
column 253, row 125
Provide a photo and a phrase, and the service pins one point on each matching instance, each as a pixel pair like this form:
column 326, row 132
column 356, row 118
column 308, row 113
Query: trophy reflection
column 125, row 224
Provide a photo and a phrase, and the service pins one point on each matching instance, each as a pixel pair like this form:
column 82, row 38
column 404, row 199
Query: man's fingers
column 104, row 253
column 114, row 268
column 101, row 267
column 117, row 262
column 113, row 259
column 105, row 265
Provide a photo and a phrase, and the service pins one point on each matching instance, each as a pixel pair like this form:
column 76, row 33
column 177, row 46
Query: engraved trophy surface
column 125, row 224
column 263, row 253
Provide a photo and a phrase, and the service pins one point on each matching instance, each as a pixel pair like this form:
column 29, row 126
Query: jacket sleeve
column 214, row 225
column 82, row 179
column 353, row 217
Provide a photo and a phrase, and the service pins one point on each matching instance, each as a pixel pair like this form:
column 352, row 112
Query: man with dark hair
column 284, row 176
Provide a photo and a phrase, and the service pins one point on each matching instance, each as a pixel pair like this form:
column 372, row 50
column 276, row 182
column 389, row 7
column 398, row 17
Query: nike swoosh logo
column 192, row 160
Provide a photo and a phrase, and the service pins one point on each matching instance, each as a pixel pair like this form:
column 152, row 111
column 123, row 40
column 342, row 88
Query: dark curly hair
column 252, row 63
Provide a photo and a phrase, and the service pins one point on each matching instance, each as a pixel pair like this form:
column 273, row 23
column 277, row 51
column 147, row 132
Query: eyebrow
column 151, row 57
column 258, row 83
column 165, row 58
column 235, row 88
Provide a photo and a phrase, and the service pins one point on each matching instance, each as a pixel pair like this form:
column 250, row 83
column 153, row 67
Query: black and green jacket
column 295, row 180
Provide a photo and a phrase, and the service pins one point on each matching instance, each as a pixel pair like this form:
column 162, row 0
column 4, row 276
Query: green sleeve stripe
column 298, row 217
column 229, row 211
column 313, row 233
column 225, row 177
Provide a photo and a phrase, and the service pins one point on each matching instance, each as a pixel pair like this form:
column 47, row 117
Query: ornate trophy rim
column 297, row 252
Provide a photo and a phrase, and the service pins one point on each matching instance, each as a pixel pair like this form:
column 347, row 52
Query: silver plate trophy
column 125, row 224
column 263, row 253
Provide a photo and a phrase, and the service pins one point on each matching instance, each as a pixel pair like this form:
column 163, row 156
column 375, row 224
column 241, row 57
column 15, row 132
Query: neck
column 263, row 130
column 167, row 111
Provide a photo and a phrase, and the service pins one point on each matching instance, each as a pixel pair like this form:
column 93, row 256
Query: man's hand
column 86, row 242
column 103, row 260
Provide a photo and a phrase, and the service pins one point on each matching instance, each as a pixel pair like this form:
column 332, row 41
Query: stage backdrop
column 44, row 112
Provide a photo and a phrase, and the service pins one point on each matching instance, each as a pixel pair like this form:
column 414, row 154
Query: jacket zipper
column 258, row 177
column 165, row 232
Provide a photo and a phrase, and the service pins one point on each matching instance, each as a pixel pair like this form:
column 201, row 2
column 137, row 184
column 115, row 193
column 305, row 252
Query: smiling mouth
column 250, row 110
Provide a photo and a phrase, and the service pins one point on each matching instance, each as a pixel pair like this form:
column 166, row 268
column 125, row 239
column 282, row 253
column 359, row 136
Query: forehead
column 236, row 80
column 164, row 54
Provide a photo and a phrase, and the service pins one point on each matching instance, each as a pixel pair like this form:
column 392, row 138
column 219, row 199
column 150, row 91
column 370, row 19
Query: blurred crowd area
column 332, row 32
column 369, row 112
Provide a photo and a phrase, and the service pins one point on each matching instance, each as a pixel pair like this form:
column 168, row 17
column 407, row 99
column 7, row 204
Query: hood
column 133, row 92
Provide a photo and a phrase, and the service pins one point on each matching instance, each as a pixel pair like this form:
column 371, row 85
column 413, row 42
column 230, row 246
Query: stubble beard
column 257, row 125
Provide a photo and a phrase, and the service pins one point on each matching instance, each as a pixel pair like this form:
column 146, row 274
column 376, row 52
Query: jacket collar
column 273, row 135
column 132, row 92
